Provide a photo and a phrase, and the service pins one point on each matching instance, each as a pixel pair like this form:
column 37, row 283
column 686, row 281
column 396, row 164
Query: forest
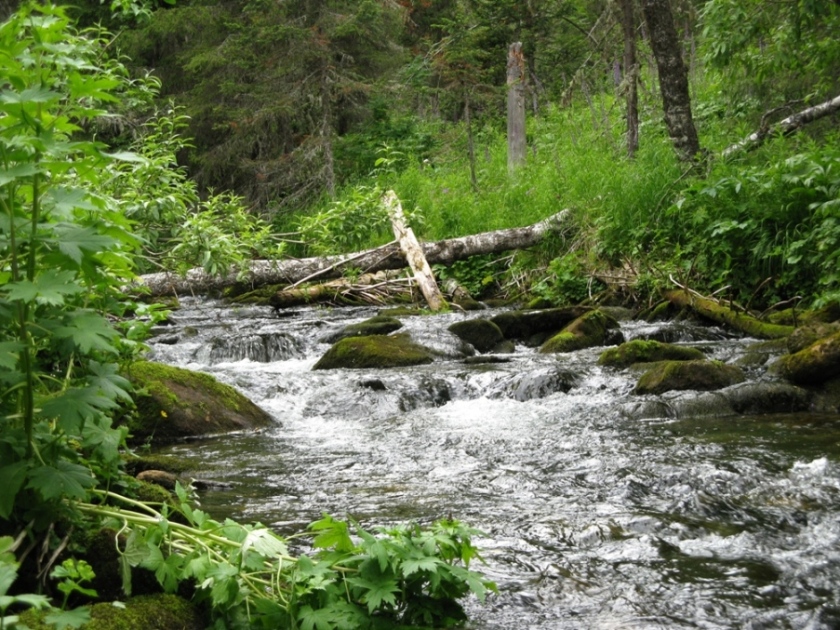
column 688, row 143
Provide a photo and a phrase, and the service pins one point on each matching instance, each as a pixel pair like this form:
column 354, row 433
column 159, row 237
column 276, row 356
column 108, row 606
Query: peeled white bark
column 262, row 272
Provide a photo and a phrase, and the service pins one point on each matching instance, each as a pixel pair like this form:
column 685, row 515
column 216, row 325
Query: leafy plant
column 568, row 280
column 353, row 578
column 65, row 251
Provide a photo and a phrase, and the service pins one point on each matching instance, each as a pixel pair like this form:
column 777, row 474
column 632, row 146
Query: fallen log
column 370, row 288
column 413, row 253
column 263, row 272
column 723, row 315
column 785, row 127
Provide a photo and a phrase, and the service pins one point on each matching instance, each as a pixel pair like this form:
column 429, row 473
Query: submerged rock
column 483, row 334
column 683, row 375
column 375, row 351
column 588, row 330
column 379, row 325
column 174, row 403
column 642, row 351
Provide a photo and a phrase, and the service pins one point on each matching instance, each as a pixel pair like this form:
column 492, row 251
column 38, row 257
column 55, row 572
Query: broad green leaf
column 315, row 619
column 376, row 592
column 63, row 480
column 104, row 376
column 13, row 477
column 264, row 542
column 99, row 435
column 333, row 534
column 75, row 407
column 29, row 95
column 75, row 618
column 74, row 240
column 422, row 563
column 9, row 352
column 8, row 575
column 18, row 171
column 49, row 288
column 87, row 331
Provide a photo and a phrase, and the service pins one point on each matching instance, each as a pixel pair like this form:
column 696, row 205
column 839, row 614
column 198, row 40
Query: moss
column 641, row 351
column 401, row 311
column 818, row 363
column 379, row 325
column 259, row 296
column 483, row 334
column 586, row 331
column 146, row 612
column 138, row 463
column 525, row 324
column 376, row 351
column 173, row 403
column 687, row 375
column 724, row 315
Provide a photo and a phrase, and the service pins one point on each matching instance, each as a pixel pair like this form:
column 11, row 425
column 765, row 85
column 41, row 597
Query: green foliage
column 775, row 225
column 65, row 251
column 353, row 579
column 568, row 280
column 56, row 618
column 356, row 220
column 477, row 274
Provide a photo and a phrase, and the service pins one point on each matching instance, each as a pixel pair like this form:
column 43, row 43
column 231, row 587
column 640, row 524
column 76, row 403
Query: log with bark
column 785, row 127
column 264, row 272
column 721, row 314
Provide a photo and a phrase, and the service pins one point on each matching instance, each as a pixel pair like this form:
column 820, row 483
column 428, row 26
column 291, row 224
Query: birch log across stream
column 263, row 272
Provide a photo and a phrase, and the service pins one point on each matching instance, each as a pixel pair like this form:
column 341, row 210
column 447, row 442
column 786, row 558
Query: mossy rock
column 816, row 364
column 375, row 351
column 379, row 325
column 526, row 324
column 483, row 334
column 145, row 612
column 808, row 335
column 468, row 304
column 688, row 375
column 174, row 403
column 260, row 296
column 588, row 330
column 401, row 311
column 641, row 351
column 135, row 464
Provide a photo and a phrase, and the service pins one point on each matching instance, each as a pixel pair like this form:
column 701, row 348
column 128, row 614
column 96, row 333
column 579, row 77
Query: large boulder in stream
column 375, row 351
column 647, row 351
column 379, row 325
column 174, row 403
column 484, row 335
column 534, row 327
column 594, row 328
column 814, row 365
column 703, row 375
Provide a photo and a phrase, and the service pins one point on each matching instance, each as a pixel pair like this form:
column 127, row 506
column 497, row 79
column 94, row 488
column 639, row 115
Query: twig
column 335, row 266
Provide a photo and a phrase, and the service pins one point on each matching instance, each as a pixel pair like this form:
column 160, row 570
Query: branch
column 785, row 127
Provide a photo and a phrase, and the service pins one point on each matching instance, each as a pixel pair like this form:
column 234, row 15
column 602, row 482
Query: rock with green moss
column 379, row 325
column 814, row 365
column 591, row 329
column 376, row 351
column 808, row 335
column 688, row 375
column 483, row 334
column 540, row 323
column 174, row 403
column 647, row 351
column 145, row 612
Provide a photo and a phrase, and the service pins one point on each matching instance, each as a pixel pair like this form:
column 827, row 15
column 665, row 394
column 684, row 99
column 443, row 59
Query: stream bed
column 599, row 508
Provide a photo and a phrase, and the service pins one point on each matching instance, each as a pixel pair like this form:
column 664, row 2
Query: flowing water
column 600, row 508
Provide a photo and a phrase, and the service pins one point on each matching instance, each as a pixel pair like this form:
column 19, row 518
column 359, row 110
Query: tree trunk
column 673, row 78
column 516, row 107
column 413, row 253
column 631, row 75
column 470, row 141
column 262, row 272
column 327, row 132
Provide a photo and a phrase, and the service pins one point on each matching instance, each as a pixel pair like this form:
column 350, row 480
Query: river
column 599, row 508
